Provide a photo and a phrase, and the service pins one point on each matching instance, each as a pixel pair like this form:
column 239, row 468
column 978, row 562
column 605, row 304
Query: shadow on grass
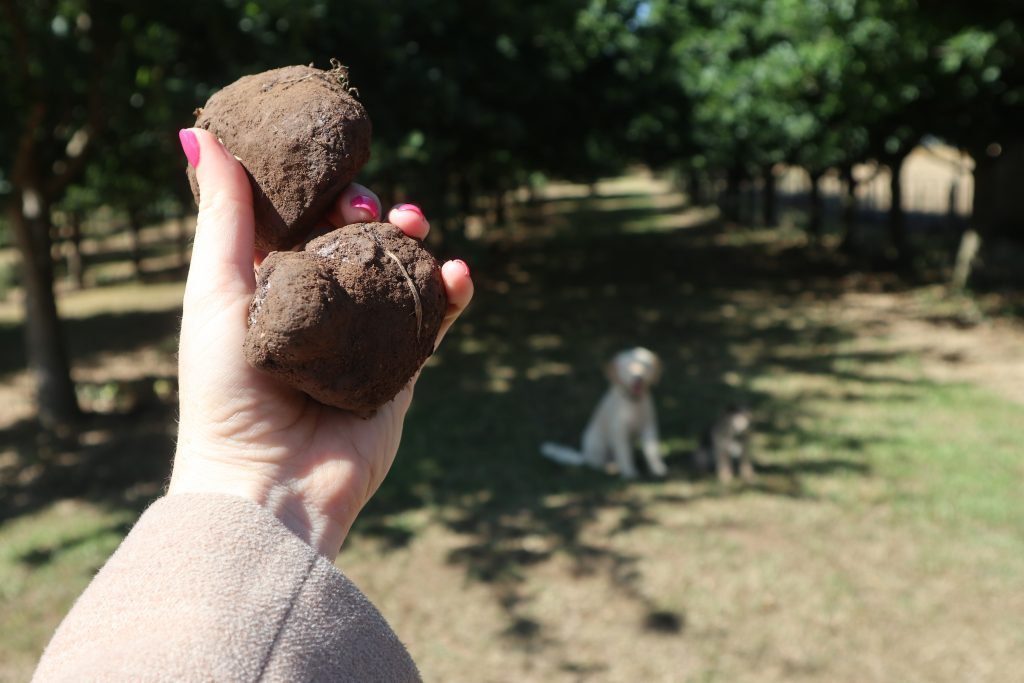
column 119, row 459
column 522, row 367
column 41, row 556
column 103, row 333
column 159, row 262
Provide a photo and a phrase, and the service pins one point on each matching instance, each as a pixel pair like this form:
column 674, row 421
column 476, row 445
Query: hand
column 242, row 432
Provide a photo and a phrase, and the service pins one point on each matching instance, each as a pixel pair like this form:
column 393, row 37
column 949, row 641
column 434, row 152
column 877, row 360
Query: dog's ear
column 611, row 371
column 656, row 369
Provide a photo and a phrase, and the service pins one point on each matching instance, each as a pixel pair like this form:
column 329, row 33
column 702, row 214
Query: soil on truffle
column 350, row 318
column 300, row 135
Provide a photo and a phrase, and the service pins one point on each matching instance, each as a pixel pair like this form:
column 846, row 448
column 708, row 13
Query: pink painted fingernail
column 189, row 143
column 463, row 264
column 410, row 207
column 366, row 204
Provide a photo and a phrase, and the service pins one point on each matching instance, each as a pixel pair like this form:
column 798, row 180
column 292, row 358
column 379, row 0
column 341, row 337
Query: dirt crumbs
column 301, row 136
column 349, row 319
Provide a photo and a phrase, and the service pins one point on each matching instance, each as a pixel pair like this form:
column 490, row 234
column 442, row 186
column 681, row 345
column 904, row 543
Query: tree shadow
column 95, row 334
column 43, row 555
column 119, row 458
column 524, row 366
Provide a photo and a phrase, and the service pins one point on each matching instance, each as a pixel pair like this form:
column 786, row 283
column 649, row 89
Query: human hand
column 242, row 432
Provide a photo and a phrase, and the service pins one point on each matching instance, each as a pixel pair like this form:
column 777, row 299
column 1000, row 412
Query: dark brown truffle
column 301, row 137
column 349, row 319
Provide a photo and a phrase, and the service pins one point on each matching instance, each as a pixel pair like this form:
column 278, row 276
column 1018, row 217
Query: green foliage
column 787, row 81
column 833, row 82
column 476, row 93
column 473, row 98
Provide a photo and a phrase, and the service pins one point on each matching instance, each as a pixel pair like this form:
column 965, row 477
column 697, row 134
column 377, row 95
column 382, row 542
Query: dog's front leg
column 594, row 453
column 621, row 451
column 723, row 462
column 650, row 444
column 746, row 464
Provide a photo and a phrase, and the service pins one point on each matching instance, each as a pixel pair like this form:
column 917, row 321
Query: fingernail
column 463, row 264
column 410, row 207
column 189, row 143
column 366, row 204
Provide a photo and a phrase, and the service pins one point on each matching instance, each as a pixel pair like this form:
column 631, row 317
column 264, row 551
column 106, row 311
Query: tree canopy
column 486, row 93
column 472, row 99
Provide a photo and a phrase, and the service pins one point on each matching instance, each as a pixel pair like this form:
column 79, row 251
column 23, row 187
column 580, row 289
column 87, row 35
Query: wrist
column 324, row 531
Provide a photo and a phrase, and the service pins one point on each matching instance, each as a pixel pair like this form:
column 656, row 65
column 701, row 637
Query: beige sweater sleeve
column 214, row 588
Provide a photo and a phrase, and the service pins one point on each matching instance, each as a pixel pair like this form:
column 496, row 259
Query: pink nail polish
column 189, row 143
column 463, row 264
column 410, row 207
column 366, row 204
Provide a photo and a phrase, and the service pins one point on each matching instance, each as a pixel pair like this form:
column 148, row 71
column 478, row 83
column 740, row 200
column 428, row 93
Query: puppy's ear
column 611, row 371
column 656, row 369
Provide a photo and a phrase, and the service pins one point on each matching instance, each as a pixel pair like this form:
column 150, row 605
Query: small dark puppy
column 726, row 444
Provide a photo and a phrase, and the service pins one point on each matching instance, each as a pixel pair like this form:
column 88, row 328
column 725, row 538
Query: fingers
column 410, row 219
column 459, row 286
column 222, row 255
column 357, row 204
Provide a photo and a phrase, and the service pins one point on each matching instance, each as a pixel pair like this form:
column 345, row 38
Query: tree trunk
column 730, row 204
column 769, row 213
column 952, row 219
column 466, row 196
column 76, row 269
column 897, row 223
column 814, row 218
column 436, row 203
column 970, row 241
column 135, row 235
column 57, row 405
column 695, row 188
column 534, row 193
column 985, row 192
column 970, row 245
column 500, row 208
column 748, row 207
column 851, row 237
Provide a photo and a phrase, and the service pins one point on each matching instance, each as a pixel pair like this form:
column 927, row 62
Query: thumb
column 222, row 255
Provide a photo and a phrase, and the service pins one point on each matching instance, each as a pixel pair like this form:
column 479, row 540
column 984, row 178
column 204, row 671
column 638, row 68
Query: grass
column 46, row 560
column 882, row 541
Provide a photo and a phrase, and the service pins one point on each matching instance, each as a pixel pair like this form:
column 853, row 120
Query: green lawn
column 882, row 541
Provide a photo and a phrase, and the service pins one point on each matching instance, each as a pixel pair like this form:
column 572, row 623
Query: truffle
column 300, row 135
column 350, row 318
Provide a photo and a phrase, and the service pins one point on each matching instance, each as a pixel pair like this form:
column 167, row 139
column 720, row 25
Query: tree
column 70, row 71
column 766, row 79
column 981, row 65
column 53, row 107
column 829, row 84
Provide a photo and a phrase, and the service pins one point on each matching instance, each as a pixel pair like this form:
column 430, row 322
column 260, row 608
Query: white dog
column 624, row 417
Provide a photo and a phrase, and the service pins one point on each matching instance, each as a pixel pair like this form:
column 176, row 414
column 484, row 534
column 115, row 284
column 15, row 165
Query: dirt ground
column 881, row 542
column 989, row 354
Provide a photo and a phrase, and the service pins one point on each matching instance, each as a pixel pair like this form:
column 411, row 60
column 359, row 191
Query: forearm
column 214, row 587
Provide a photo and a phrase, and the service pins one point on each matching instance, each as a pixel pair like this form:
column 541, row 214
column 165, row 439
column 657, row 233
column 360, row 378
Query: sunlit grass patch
column 46, row 559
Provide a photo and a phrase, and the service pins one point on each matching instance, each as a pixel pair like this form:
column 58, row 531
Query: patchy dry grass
column 46, row 560
column 882, row 541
